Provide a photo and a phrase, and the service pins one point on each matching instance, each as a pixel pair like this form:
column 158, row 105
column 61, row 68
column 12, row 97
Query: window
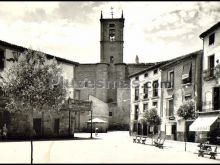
column 145, row 91
column 145, row 106
column 146, row 75
column 86, row 83
column 137, row 78
column 111, row 59
column 110, row 113
column 136, row 93
column 212, row 39
column 16, row 55
column 136, row 112
column 155, row 71
column 112, row 34
column 187, row 73
column 77, row 94
column 155, row 88
column 188, row 97
column 2, row 62
column 171, row 78
column 170, row 107
column 154, row 104
column 211, row 65
column 111, row 25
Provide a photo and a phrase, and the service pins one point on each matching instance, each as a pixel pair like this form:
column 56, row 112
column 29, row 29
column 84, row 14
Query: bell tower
column 111, row 41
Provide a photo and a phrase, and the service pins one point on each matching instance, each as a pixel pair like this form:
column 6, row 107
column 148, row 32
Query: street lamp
column 91, row 121
column 185, row 130
column 69, row 106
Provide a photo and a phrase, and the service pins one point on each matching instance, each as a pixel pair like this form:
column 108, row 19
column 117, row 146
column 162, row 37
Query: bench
column 207, row 150
column 156, row 141
column 143, row 139
column 159, row 142
column 134, row 139
column 139, row 139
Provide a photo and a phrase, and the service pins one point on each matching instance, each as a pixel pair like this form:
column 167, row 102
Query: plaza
column 111, row 147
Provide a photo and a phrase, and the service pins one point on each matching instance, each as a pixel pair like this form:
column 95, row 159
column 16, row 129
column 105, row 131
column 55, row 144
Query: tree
column 151, row 118
column 187, row 111
column 30, row 85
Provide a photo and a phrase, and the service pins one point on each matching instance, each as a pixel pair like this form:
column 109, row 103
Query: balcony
column 209, row 74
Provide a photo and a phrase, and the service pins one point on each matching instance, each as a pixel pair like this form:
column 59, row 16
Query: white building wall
column 207, row 86
column 142, row 80
column 211, row 49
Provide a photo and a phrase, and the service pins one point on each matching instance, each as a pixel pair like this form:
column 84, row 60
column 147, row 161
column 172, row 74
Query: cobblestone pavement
column 111, row 147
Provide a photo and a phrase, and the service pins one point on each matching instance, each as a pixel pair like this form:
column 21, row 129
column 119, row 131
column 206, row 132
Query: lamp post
column 185, row 130
column 91, row 121
column 69, row 106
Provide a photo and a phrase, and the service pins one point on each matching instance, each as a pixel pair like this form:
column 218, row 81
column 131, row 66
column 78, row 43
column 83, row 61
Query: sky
column 155, row 31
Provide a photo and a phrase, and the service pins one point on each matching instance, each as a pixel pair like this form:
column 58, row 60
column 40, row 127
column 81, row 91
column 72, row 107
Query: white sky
column 154, row 31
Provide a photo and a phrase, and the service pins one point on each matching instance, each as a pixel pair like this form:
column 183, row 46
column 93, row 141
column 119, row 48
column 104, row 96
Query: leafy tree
column 187, row 111
column 30, row 85
column 151, row 118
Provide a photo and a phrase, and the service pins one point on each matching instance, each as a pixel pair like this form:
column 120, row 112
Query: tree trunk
column 31, row 151
column 42, row 126
column 142, row 129
column 185, row 135
column 32, row 147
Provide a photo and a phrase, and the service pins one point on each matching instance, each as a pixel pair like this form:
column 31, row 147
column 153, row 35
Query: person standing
column 96, row 131
column 4, row 132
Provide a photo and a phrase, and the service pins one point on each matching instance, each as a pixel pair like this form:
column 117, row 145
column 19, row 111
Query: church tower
column 111, row 42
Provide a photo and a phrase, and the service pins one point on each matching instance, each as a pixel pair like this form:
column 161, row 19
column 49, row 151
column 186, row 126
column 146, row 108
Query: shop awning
column 203, row 123
column 186, row 70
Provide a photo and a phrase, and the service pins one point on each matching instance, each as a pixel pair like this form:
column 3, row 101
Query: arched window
column 111, row 59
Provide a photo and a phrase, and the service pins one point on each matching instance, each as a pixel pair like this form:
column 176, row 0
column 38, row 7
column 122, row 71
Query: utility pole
column 91, row 119
column 69, row 107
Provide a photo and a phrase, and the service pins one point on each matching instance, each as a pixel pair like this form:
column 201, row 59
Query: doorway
column 174, row 132
column 37, row 126
column 216, row 98
column 190, row 135
column 56, row 126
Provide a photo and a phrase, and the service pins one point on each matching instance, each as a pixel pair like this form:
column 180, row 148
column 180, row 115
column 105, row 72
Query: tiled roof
column 21, row 49
column 167, row 63
column 211, row 29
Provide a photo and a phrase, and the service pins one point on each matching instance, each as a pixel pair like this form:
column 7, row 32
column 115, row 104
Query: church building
column 106, row 83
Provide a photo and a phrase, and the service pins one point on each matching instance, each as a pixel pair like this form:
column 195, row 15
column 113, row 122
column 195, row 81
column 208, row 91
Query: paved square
column 112, row 147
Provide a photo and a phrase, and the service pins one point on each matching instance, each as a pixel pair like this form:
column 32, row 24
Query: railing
column 209, row 74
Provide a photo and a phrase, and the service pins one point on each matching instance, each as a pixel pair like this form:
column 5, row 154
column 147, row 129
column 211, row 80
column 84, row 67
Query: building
column 20, row 125
column 146, row 93
column 107, row 81
column 106, row 84
column 207, row 125
column 184, row 75
column 178, row 80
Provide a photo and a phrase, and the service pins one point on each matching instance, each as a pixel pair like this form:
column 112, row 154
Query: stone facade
column 181, row 91
column 108, row 80
column 45, row 125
